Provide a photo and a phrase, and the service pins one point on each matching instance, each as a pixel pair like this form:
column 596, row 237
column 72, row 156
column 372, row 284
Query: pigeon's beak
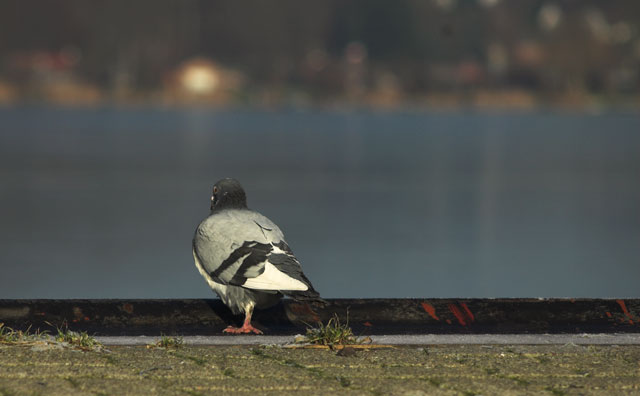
column 213, row 202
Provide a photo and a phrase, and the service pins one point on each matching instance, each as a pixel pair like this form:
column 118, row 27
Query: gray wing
column 244, row 248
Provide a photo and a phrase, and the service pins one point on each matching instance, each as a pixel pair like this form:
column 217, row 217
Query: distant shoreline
column 477, row 101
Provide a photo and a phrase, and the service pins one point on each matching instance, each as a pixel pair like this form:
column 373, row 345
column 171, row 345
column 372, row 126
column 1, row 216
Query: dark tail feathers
column 310, row 296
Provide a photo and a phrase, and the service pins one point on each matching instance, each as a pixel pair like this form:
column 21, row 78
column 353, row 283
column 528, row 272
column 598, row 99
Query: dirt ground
column 406, row 370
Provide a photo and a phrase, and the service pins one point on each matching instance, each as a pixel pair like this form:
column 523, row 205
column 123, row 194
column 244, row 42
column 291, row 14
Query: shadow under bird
column 244, row 258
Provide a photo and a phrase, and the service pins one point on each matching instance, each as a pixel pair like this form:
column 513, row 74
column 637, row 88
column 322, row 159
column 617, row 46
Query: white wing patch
column 273, row 279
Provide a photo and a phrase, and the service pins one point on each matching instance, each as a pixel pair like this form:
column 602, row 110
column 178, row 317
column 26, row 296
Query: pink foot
column 246, row 328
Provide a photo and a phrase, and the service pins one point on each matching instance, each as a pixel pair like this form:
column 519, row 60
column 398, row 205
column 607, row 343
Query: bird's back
column 220, row 234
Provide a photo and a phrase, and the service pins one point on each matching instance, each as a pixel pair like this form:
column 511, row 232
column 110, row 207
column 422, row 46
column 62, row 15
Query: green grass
column 64, row 336
column 434, row 382
column 194, row 359
column 344, row 381
column 10, row 336
column 333, row 333
column 74, row 382
column 78, row 340
column 520, row 381
column 6, row 392
column 192, row 393
column 555, row 391
column 169, row 342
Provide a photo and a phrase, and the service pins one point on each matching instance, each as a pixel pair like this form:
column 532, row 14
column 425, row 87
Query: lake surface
column 103, row 202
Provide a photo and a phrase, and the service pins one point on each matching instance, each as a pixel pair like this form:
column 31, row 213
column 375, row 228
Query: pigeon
column 244, row 257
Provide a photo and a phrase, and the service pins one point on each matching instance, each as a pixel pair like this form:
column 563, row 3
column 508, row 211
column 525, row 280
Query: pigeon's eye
column 215, row 190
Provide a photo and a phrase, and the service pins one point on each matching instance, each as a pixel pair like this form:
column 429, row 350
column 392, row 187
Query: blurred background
column 434, row 148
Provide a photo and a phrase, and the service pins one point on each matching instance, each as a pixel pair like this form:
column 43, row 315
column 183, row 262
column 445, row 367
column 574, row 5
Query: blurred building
column 304, row 52
column 49, row 76
column 201, row 80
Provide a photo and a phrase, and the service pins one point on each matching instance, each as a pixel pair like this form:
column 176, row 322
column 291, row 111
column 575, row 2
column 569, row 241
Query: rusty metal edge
column 116, row 317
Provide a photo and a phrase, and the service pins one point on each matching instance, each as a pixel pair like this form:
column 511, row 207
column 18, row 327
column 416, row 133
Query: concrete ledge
column 366, row 316
column 434, row 339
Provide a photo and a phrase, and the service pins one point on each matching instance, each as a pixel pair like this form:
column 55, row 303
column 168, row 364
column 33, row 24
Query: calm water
column 103, row 203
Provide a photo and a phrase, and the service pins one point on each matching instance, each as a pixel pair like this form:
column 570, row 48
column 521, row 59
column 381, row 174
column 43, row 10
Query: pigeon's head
column 228, row 193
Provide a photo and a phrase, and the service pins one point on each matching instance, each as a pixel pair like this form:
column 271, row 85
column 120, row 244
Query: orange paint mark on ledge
column 430, row 310
column 624, row 309
column 608, row 314
column 468, row 311
column 368, row 324
column 456, row 312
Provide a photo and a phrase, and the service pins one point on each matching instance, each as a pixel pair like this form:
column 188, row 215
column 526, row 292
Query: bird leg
column 246, row 326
